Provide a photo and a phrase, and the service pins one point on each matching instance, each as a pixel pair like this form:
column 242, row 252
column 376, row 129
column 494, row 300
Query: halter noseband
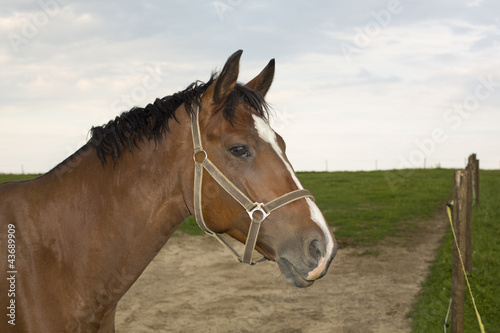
column 256, row 211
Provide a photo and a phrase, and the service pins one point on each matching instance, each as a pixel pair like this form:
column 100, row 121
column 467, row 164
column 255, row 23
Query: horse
column 75, row 239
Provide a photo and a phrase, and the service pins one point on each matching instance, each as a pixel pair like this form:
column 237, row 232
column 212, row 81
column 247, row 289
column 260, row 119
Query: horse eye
column 239, row 151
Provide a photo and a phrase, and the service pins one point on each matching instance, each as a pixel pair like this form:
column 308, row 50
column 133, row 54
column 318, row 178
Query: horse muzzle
column 303, row 268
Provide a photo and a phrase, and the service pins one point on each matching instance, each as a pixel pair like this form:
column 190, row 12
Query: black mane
column 152, row 121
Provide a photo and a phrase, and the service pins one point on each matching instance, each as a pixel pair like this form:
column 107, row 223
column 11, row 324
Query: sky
column 359, row 85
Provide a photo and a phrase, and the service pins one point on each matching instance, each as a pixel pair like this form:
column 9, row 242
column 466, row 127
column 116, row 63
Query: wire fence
column 460, row 217
column 347, row 164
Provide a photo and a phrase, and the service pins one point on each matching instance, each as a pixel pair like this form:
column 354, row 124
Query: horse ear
column 226, row 81
column 262, row 82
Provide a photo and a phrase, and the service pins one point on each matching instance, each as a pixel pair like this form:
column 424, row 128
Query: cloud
column 91, row 60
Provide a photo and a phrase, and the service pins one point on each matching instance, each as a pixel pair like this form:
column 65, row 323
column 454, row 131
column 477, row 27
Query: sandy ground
column 194, row 285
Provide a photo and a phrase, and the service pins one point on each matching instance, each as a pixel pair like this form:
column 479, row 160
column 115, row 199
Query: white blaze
column 267, row 134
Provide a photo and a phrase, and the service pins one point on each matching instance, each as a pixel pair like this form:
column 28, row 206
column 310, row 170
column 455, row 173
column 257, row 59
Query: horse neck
column 113, row 219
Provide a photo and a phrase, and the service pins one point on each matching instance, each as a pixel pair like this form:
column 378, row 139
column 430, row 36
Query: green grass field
column 366, row 207
column 8, row 177
column 369, row 208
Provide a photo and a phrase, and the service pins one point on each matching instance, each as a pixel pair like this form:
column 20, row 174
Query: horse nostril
column 314, row 250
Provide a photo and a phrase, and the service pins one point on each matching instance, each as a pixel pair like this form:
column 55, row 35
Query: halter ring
column 258, row 208
column 196, row 153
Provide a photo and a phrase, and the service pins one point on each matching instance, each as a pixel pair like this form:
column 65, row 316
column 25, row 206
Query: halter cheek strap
column 256, row 211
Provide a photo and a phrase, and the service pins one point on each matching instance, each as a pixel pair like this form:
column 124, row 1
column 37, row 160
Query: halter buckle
column 258, row 208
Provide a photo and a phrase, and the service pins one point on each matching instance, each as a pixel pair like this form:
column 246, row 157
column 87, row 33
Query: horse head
column 247, row 153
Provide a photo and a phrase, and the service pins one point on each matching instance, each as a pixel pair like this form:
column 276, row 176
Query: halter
column 257, row 211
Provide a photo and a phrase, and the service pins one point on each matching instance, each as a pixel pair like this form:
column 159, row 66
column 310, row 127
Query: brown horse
column 74, row 240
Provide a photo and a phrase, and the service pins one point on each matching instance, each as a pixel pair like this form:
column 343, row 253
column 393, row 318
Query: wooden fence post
column 467, row 254
column 474, row 165
column 458, row 279
column 476, row 179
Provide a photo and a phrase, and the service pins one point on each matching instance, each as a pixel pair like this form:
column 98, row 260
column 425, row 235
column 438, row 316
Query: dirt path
column 194, row 285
